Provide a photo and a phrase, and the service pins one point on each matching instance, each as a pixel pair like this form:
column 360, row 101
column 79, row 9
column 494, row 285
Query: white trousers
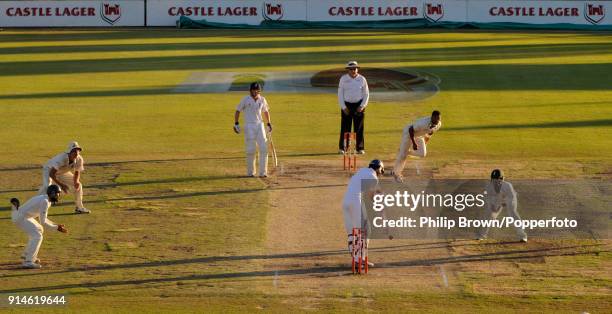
column 67, row 179
column 491, row 213
column 34, row 230
column 406, row 150
column 353, row 216
column 255, row 137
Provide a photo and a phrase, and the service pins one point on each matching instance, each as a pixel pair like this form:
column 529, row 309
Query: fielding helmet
column 54, row 191
column 497, row 174
column 377, row 164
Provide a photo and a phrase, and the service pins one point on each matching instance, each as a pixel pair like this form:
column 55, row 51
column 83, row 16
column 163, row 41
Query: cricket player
column 500, row 194
column 25, row 218
column 65, row 170
column 354, row 216
column 414, row 141
column 254, row 106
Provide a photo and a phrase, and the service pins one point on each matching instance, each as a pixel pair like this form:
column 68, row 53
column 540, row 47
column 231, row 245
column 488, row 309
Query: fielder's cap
column 73, row 145
column 255, row 86
column 352, row 65
column 497, row 174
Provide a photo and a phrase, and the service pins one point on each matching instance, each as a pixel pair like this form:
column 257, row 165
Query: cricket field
column 176, row 227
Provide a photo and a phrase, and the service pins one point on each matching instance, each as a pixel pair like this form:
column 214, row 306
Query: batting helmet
column 15, row 202
column 497, row 174
column 255, row 86
column 377, row 164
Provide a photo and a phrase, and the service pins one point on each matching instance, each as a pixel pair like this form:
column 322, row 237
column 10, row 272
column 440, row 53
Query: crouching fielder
column 354, row 215
column 25, row 218
column 65, row 170
column 414, row 141
column 500, row 194
column 253, row 107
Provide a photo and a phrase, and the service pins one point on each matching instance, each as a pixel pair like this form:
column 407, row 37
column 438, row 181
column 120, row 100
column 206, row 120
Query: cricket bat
column 274, row 158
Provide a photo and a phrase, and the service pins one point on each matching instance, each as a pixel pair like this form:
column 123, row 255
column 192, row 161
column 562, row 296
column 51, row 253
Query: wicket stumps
column 359, row 258
column 350, row 151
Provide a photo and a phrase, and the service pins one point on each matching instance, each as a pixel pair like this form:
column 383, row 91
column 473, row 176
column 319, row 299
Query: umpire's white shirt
column 62, row 164
column 423, row 127
column 353, row 90
column 36, row 207
column 253, row 109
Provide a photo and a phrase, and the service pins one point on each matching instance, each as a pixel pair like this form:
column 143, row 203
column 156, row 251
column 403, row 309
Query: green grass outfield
column 176, row 228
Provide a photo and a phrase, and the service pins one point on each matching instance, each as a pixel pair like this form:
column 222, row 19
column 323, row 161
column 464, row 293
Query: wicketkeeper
column 24, row 217
column 500, row 195
column 254, row 106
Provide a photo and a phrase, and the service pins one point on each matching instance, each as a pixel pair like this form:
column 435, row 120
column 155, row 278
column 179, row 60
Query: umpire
column 353, row 95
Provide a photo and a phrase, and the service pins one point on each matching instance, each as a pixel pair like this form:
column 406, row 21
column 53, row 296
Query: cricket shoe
column 341, row 152
column 82, row 210
column 398, row 177
column 361, row 152
column 30, row 265
column 524, row 240
column 37, row 261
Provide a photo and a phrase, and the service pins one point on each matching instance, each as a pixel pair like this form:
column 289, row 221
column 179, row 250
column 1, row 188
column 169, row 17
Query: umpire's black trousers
column 355, row 119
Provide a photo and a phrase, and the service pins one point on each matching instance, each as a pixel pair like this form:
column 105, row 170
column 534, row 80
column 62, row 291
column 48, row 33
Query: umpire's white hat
column 352, row 65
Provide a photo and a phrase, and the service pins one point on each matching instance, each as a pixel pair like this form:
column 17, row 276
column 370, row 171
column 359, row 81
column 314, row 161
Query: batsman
column 254, row 106
column 364, row 181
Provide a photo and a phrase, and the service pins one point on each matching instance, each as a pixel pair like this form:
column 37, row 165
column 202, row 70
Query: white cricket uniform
column 25, row 219
column 353, row 90
column 65, row 174
column 495, row 202
column 354, row 214
column 422, row 128
column 254, row 133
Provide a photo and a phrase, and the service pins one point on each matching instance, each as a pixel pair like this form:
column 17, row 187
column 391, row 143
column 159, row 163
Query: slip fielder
column 500, row 195
column 65, row 170
column 254, row 106
column 24, row 217
column 414, row 141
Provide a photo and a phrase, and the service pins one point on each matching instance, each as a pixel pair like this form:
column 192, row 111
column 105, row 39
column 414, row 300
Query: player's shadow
column 214, row 259
column 563, row 124
column 330, row 270
column 193, row 194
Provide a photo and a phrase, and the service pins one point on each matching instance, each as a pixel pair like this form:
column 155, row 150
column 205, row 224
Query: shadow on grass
column 565, row 124
column 111, row 163
column 194, row 194
column 455, row 77
column 86, row 34
column 264, row 43
column 331, row 271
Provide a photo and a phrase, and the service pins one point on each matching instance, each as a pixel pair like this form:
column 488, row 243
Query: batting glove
column 237, row 128
column 269, row 127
